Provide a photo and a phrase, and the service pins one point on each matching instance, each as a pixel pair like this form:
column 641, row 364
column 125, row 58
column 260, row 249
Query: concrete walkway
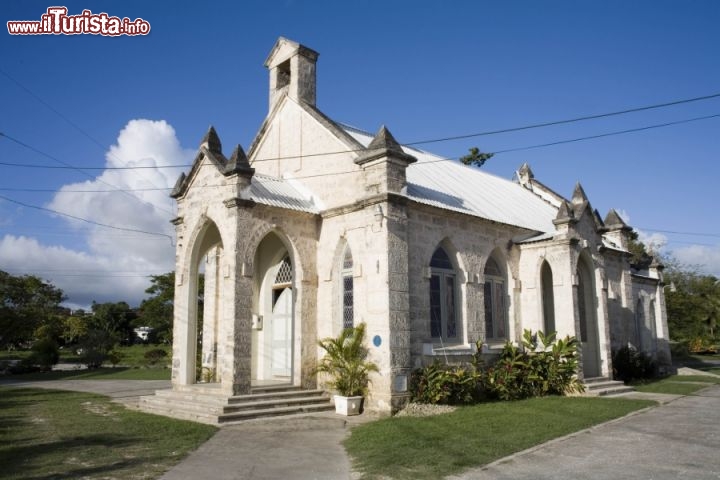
column 678, row 439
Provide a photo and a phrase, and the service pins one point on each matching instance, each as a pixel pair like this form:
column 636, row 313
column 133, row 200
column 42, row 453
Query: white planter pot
column 347, row 405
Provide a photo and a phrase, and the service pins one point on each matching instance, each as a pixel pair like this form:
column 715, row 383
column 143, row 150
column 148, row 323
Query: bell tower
column 292, row 72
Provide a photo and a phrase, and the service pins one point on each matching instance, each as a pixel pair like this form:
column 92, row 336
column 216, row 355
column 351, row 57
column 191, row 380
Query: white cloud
column 707, row 258
column 113, row 266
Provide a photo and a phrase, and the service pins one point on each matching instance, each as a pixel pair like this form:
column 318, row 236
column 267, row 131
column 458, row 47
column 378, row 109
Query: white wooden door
column 281, row 357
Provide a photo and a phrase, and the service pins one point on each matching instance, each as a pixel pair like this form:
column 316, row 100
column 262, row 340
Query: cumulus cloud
column 707, row 258
column 111, row 267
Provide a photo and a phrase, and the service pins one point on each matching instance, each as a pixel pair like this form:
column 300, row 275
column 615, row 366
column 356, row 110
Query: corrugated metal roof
column 449, row 184
column 278, row 193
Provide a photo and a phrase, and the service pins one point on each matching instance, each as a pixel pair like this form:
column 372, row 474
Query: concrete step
column 275, row 403
column 236, row 417
column 604, row 387
column 274, row 395
column 209, row 406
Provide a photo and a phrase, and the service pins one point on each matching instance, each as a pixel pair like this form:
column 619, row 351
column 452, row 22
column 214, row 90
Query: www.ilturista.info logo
column 57, row 22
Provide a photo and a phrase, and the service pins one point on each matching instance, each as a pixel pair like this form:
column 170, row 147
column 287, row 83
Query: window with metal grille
column 285, row 273
column 348, row 296
column 495, row 305
column 443, row 317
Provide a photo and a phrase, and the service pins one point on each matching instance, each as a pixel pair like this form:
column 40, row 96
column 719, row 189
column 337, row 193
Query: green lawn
column 433, row 447
column 676, row 384
column 63, row 435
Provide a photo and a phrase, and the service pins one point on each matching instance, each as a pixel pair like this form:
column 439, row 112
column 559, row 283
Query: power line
column 80, row 169
column 609, row 134
column 697, row 234
column 59, row 114
column 92, row 222
column 562, row 122
column 291, row 157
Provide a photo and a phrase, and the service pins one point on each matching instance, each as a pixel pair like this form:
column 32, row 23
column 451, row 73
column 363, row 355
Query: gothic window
column 348, row 296
column 443, row 316
column 495, row 304
column 283, row 279
column 548, row 298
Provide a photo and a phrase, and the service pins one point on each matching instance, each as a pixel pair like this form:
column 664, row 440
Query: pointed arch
column 495, row 297
column 587, row 315
column 445, row 322
column 274, row 350
column 347, row 288
column 547, row 297
column 199, row 343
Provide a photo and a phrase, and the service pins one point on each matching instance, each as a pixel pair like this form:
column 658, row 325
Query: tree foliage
column 476, row 157
column 693, row 308
column 26, row 303
column 157, row 311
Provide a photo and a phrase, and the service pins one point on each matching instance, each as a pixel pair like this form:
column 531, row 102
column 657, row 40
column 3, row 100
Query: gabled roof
column 450, row 185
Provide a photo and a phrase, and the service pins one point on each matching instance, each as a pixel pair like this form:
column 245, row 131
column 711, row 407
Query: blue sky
column 425, row 69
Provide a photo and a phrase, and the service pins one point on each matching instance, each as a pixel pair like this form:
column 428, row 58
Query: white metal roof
column 278, row 193
column 449, row 184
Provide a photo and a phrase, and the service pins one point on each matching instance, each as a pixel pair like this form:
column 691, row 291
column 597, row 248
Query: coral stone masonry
column 320, row 226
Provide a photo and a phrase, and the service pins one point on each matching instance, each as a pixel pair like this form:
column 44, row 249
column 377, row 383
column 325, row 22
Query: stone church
column 320, row 226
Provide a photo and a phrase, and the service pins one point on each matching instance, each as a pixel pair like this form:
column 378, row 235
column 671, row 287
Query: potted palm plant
column 345, row 362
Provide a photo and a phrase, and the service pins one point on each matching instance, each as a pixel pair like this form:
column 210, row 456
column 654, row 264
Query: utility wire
column 66, row 165
column 497, row 152
column 571, row 120
column 92, row 222
column 66, row 119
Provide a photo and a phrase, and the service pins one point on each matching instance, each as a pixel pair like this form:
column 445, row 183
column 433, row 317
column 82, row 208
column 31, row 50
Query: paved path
column 679, row 439
column 123, row 391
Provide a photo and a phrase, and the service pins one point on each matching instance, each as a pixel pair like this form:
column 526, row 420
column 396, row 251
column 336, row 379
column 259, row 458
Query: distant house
column 321, row 226
column 143, row 333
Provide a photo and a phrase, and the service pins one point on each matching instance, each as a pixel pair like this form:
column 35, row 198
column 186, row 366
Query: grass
column 433, row 447
column 58, row 434
column 676, row 384
column 105, row 373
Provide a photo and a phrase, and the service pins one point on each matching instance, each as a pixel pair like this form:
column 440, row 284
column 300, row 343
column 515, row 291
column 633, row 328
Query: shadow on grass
column 14, row 461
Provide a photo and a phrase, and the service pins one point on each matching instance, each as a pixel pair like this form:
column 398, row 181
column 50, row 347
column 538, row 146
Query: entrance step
column 604, row 387
column 210, row 406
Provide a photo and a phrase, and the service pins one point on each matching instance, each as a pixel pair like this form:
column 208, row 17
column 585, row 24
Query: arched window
column 495, row 305
column 283, row 279
column 639, row 323
column 443, row 318
column 548, row 298
column 348, row 296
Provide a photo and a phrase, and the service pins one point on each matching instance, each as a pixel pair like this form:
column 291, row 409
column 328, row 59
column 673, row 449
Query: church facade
column 320, row 226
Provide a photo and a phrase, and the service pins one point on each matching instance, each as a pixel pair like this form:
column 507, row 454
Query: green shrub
column 152, row 357
column 445, row 384
column 541, row 366
column 630, row 364
column 115, row 356
column 45, row 354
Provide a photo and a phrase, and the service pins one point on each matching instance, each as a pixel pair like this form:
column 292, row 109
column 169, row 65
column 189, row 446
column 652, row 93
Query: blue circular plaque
column 377, row 340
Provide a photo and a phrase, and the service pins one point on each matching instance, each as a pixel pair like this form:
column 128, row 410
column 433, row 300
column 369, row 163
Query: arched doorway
column 204, row 306
column 273, row 333
column 588, row 318
column 548, row 298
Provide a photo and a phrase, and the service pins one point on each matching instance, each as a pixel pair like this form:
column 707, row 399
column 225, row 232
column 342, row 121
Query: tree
column 26, row 303
column 157, row 311
column 476, row 157
column 115, row 319
column 693, row 308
